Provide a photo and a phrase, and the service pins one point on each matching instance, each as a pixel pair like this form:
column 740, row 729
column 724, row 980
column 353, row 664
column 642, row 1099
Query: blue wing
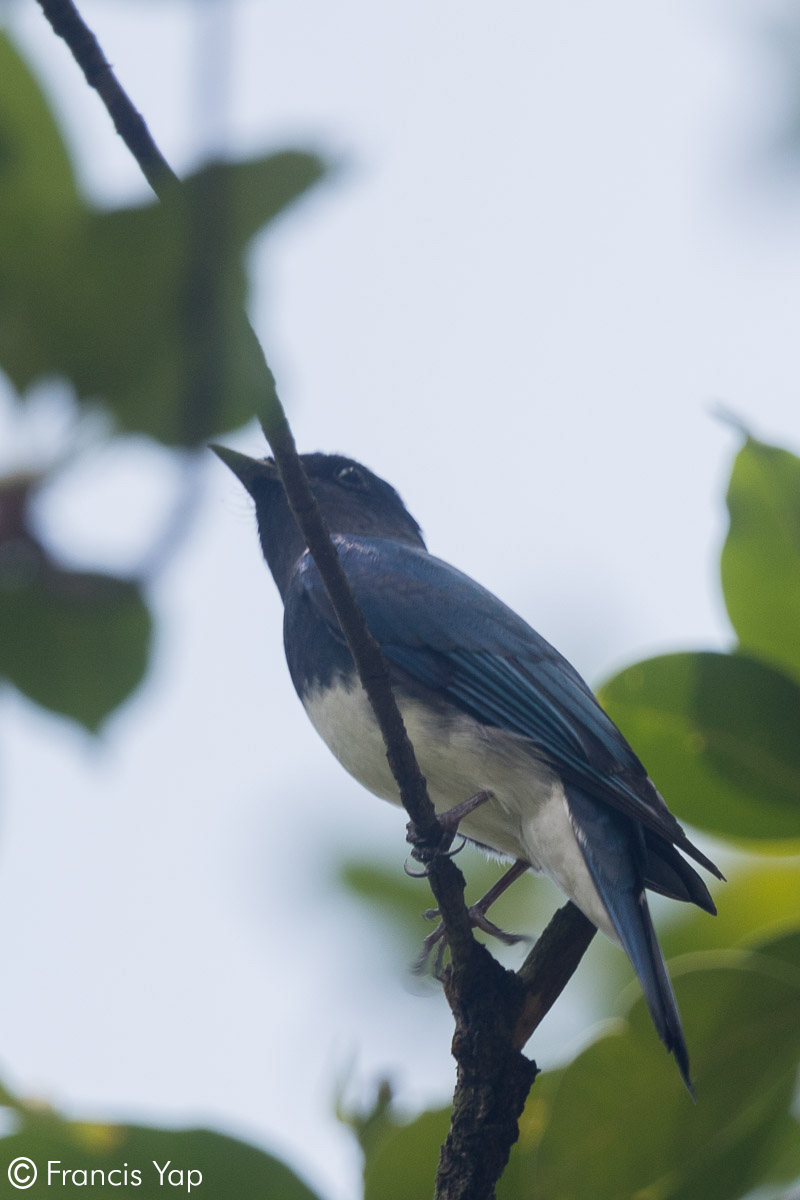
column 441, row 630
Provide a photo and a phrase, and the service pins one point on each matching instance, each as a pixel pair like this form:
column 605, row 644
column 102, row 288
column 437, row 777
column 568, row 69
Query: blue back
column 445, row 633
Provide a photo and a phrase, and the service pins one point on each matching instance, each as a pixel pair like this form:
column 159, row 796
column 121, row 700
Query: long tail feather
column 615, row 853
column 630, row 917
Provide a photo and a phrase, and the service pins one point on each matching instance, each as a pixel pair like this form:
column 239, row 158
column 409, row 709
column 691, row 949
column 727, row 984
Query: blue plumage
column 489, row 705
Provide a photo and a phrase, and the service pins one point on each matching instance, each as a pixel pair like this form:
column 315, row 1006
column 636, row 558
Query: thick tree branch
column 494, row 1009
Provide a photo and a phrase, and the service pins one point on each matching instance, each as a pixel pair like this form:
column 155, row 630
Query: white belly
column 527, row 819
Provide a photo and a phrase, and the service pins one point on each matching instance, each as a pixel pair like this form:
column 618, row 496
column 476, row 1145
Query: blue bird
column 489, row 706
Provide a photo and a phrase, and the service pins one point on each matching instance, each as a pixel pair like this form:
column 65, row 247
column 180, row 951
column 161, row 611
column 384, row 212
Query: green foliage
column 229, row 1168
column 760, row 899
column 162, row 289
column 404, row 1162
column 74, row 642
column 743, row 1013
column 718, row 733
column 36, row 179
column 143, row 307
column 761, row 557
column 142, row 310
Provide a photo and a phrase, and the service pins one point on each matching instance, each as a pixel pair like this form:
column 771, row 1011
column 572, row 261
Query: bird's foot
column 425, row 851
column 438, row 939
column 452, row 817
column 477, row 914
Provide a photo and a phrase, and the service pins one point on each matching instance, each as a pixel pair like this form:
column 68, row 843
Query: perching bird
column 489, row 706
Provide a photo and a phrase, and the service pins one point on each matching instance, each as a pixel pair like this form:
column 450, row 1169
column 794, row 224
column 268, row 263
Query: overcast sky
column 553, row 241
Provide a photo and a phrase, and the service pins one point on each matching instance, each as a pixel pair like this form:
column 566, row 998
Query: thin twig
column 68, row 23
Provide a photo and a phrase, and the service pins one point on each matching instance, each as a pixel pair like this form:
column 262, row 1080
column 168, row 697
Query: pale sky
column 552, row 243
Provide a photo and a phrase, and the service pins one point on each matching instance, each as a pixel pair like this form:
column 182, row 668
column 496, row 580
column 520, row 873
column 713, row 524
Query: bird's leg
column 449, row 821
column 477, row 914
column 451, row 818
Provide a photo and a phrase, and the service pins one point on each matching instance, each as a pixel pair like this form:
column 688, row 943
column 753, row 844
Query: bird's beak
column 248, row 471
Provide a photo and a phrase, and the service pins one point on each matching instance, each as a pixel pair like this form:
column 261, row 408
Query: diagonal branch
column 129, row 123
column 495, row 1010
column 550, row 965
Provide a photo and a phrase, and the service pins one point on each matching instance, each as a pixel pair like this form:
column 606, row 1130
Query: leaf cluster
column 141, row 310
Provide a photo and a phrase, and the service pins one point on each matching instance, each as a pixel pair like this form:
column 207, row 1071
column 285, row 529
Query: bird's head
column 353, row 500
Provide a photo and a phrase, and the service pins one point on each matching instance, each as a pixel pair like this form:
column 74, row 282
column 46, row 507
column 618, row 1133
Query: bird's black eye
column 351, row 477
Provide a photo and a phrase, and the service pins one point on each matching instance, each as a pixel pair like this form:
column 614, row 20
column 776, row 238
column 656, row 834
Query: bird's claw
column 438, row 938
column 425, row 850
column 477, row 915
column 429, row 860
column 438, row 941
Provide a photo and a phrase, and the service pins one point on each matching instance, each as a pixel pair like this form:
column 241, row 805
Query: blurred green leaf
column 36, row 180
column 597, row 1140
column 403, row 1166
column 370, row 1124
column 784, row 1164
column 516, row 1180
column 620, row 1123
column 759, row 900
column 743, row 1024
column 389, row 893
column 718, row 733
column 229, row 1168
column 75, row 642
column 785, row 947
column 143, row 307
column 761, row 557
